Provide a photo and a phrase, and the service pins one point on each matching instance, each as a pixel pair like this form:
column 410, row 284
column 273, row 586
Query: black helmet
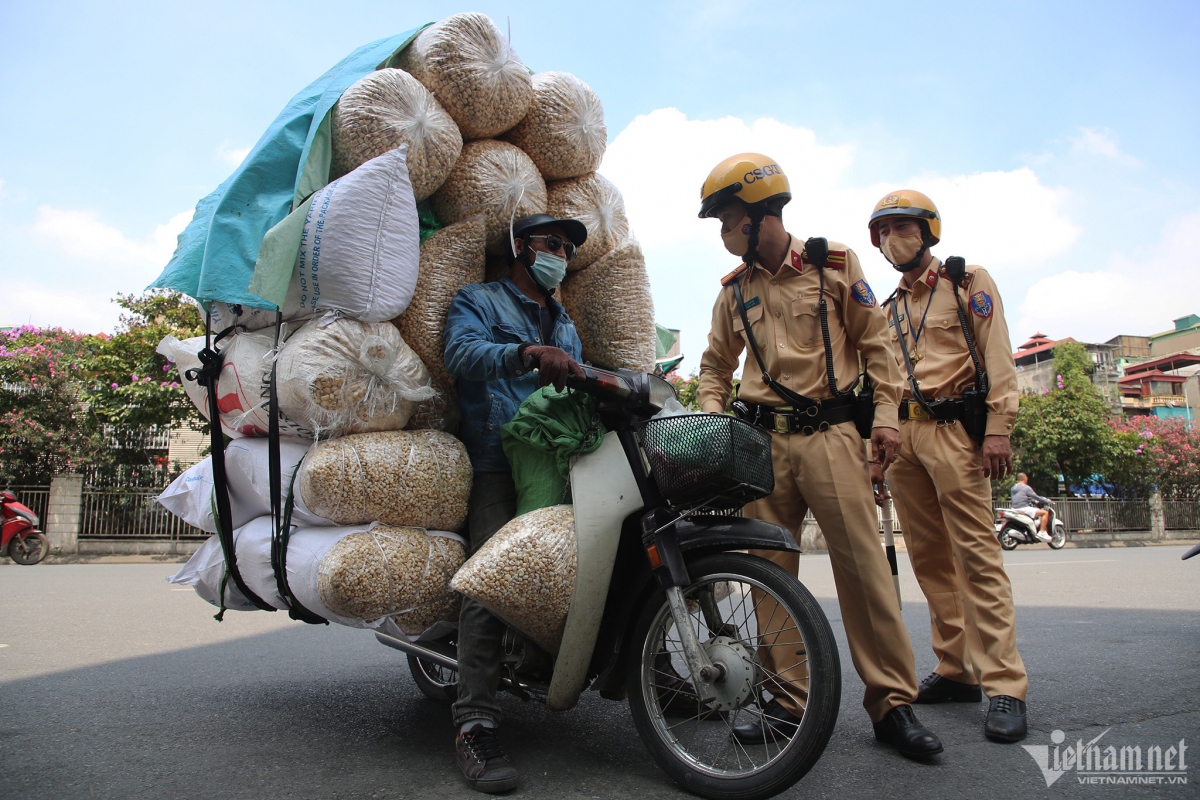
column 575, row 230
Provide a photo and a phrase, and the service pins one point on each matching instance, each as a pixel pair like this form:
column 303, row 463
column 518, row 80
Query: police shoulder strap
column 908, row 365
column 817, row 250
column 787, row 395
column 956, row 271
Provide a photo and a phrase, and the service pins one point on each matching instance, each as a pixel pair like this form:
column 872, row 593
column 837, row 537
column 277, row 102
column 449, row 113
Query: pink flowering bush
column 1153, row 452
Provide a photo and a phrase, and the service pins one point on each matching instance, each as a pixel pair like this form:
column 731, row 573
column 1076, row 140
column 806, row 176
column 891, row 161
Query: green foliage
column 1065, row 431
column 688, row 390
column 67, row 399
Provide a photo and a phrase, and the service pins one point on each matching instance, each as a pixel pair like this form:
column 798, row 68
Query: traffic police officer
column 940, row 478
column 819, row 458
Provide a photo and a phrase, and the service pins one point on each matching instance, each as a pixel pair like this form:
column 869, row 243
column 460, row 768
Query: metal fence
column 36, row 498
column 131, row 514
column 1182, row 515
column 1102, row 515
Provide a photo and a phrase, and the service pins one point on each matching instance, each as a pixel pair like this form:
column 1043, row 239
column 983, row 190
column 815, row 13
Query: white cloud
column 1134, row 294
column 41, row 305
column 82, row 235
column 660, row 160
column 1097, row 142
column 231, row 156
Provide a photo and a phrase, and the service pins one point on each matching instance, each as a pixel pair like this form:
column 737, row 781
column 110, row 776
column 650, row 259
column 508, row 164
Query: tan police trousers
column 827, row 472
column 944, row 503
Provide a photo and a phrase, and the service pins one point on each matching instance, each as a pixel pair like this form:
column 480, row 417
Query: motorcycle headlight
column 660, row 392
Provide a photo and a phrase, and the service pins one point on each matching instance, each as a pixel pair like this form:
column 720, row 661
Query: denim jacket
column 485, row 324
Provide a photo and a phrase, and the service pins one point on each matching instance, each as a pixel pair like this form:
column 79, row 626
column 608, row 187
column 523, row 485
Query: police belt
column 945, row 409
column 807, row 420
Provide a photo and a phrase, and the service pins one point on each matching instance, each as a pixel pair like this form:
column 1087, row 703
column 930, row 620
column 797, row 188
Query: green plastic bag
column 549, row 428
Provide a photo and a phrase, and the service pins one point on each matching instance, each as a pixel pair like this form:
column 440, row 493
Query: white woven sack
column 360, row 248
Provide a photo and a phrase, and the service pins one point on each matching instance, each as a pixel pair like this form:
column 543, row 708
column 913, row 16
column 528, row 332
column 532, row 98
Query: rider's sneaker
column 783, row 726
column 484, row 765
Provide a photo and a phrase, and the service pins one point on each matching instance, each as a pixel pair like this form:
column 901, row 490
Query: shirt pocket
column 757, row 326
column 806, row 323
column 945, row 336
column 504, row 333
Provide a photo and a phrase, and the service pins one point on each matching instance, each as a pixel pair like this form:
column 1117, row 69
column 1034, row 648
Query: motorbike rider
column 819, row 461
column 1025, row 500
column 497, row 335
column 940, row 478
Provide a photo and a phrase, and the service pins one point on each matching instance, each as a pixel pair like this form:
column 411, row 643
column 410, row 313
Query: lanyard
column 920, row 329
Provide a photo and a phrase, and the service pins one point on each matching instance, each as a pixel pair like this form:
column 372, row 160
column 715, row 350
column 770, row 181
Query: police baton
column 889, row 546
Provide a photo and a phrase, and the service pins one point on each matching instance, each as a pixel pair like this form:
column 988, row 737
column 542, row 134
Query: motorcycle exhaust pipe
column 412, row 648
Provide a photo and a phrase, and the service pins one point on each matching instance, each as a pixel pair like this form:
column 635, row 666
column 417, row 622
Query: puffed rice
column 564, row 131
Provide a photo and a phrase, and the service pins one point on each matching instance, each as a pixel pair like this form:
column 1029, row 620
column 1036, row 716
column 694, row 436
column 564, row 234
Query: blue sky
column 1059, row 139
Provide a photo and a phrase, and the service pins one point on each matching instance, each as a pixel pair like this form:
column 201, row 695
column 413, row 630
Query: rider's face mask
column 737, row 239
column 547, row 269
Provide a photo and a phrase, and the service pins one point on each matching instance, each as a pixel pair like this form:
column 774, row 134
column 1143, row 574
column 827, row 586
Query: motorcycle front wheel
column 749, row 615
column 1008, row 540
column 29, row 550
column 1058, row 538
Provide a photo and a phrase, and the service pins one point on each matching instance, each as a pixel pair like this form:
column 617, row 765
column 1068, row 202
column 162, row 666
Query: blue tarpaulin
column 217, row 252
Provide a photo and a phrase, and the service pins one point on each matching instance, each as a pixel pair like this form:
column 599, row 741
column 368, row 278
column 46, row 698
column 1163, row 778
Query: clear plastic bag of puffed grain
column 392, row 571
column 495, row 179
column 388, row 108
column 613, row 310
column 346, row 376
column 413, row 478
column 595, row 201
column 470, row 67
column 450, row 259
column 525, row 574
column 564, row 131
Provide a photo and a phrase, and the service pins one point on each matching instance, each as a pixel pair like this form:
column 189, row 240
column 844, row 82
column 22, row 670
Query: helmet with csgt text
column 750, row 177
column 907, row 203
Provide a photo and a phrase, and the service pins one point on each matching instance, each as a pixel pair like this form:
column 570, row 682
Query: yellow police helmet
column 907, row 203
column 750, row 177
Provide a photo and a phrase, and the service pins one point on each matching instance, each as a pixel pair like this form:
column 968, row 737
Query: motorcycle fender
column 605, row 493
column 700, row 535
column 14, row 527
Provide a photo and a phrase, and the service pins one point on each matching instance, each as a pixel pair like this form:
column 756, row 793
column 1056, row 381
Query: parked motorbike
column 19, row 536
column 1014, row 528
column 664, row 612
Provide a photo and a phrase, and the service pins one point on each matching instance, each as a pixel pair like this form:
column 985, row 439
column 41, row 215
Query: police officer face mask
column 737, row 239
column 905, row 252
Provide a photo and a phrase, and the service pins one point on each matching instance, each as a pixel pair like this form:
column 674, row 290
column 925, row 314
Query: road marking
column 1041, row 563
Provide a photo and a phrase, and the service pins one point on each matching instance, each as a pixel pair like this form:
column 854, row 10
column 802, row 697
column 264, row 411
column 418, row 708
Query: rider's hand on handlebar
column 553, row 365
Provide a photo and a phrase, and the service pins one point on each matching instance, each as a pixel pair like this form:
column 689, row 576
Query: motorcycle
column 19, row 536
column 1014, row 528
column 665, row 613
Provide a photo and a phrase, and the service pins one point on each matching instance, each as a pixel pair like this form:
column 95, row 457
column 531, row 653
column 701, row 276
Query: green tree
column 688, row 390
column 1065, row 431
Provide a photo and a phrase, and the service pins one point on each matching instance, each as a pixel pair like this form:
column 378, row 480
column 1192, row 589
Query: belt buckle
column 915, row 411
column 781, row 423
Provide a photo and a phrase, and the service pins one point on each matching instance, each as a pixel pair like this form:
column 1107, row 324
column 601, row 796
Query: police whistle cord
column 281, row 519
column 908, row 365
column 208, row 376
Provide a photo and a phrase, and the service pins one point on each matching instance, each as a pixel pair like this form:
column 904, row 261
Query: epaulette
column 966, row 280
column 733, row 276
column 835, row 260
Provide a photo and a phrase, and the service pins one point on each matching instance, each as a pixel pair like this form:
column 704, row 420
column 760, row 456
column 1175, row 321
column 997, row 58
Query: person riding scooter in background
column 496, row 335
column 1025, row 500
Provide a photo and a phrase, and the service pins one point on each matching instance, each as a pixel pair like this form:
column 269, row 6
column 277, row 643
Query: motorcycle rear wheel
column 1008, row 540
column 698, row 749
column 30, row 550
column 435, row 681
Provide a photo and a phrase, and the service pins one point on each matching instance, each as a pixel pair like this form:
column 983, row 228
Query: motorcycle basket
column 708, row 460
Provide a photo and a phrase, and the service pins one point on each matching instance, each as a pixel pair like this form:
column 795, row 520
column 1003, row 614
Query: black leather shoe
column 903, row 731
column 484, row 765
column 783, row 726
column 1006, row 719
column 936, row 689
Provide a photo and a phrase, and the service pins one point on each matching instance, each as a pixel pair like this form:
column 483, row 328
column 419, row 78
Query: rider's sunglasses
column 554, row 242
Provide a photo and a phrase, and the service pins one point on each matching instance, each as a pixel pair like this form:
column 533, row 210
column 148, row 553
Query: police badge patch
column 862, row 294
column 981, row 304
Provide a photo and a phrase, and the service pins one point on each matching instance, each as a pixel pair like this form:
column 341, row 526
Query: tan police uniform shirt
column 783, row 314
column 943, row 366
